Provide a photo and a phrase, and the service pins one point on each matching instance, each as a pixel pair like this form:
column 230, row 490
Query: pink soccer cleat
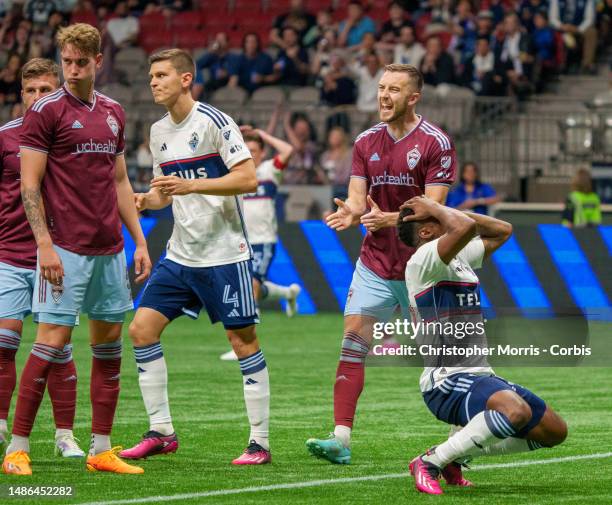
column 254, row 454
column 453, row 475
column 425, row 476
column 152, row 443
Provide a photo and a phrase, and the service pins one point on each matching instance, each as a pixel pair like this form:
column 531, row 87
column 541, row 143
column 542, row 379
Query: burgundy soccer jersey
column 81, row 140
column 395, row 171
column 17, row 244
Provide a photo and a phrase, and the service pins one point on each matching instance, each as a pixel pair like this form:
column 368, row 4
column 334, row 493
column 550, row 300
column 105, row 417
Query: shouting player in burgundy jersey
column 71, row 148
column 401, row 157
column 39, row 77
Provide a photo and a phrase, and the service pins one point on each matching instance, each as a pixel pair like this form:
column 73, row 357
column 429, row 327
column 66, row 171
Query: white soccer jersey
column 259, row 209
column 437, row 290
column 208, row 230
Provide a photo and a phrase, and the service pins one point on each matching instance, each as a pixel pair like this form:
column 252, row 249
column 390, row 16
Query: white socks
column 485, row 429
column 511, row 446
column 18, row 443
column 99, row 443
column 153, row 381
column 276, row 291
column 343, row 433
column 257, row 397
column 60, row 432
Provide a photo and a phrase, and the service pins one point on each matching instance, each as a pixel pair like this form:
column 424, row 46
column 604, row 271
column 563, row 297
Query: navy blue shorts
column 225, row 291
column 461, row 396
column 262, row 259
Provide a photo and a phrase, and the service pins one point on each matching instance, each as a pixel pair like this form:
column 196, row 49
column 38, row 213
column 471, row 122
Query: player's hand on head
column 171, row 185
column 50, row 264
column 342, row 218
column 375, row 219
column 420, row 205
column 142, row 263
column 245, row 128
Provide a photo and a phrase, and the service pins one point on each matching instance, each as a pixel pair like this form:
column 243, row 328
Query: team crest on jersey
column 112, row 124
column 56, row 292
column 413, row 157
column 194, row 140
column 445, row 162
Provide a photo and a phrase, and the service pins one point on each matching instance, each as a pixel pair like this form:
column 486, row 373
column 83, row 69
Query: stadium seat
column 306, row 96
column 88, row 17
column 152, row 21
column 226, row 95
column 190, row 39
column 152, row 39
column 188, row 20
column 268, row 95
column 130, row 58
column 123, row 94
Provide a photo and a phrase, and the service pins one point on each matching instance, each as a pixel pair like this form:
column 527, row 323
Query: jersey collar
column 187, row 118
column 89, row 106
column 407, row 134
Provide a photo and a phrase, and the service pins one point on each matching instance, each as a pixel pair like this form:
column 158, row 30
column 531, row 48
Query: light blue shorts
column 95, row 285
column 371, row 295
column 16, row 285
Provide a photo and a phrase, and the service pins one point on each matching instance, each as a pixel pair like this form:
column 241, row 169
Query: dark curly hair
column 407, row 230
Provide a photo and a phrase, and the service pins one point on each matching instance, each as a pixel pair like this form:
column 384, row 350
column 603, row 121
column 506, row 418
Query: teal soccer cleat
column 330, row 449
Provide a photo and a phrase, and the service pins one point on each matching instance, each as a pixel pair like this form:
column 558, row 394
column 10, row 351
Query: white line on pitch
column 343, row 480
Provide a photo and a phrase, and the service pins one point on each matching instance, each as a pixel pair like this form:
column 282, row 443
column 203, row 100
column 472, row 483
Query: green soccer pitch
column 392, row 426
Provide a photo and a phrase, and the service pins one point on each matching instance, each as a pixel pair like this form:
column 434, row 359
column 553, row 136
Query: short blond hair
column 37, row 67
column 180, row 59
column 413, row 73
column 84, row 37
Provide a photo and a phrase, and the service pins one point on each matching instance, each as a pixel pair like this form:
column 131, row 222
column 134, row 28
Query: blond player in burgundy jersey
column 401, row 157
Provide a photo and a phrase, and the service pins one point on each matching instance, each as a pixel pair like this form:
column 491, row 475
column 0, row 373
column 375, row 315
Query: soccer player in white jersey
column 260, row 217
column 201, row 164
column 498, row 417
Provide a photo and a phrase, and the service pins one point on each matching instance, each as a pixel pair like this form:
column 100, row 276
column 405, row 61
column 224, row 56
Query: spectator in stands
column 336, row 162
column 576, row 20
column 21, row 42
column 484, row 25
column 437, row 65
column 16, row 111
column 10, row 84
column 291, row 66
column 464, row 31
column 483, row 73
column 216, row 64
column 337, row 87
column 604, row 22
column 408, row 51
column 440, row 13
column 471, row 193
column 527, row 11
column 497, row 9
column 303, row 167
column 516, row 51
column 38, row 11
column 123, row 27
column 368, row 44
column 252, row 68
column 315, row 33
column 582, row 206
column 5, row 7
column 390, row 30
column 297, row 18
column 325, row 47
column 368, row 74
column 545, row 49
column 355, row 26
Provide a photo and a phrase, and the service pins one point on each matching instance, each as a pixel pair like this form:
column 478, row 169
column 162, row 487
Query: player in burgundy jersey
column 76, row 193
column 39, row 77
column 401, row 157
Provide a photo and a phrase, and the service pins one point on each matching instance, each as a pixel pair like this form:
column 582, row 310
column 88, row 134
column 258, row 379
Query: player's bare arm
column 241, row 179
column 33, row 167
column 283, row 149
column 377, row 219
column 129, row 216
column 493, row 232
column 459, row 227
column 153, row 200
column 350, row 211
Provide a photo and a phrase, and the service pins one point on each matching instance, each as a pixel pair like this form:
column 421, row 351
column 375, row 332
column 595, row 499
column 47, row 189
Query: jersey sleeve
column 358, row 165
column 441, row 164
column 473, row 253
column 425, row 264
column 157, row 171
column 38, row 129
column 121, row 134
column 228, row 141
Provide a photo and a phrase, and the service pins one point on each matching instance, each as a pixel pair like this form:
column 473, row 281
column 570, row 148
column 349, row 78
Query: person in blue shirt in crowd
column 355, row 26
column 470, row 193
column 252, row 68
column 212, row 68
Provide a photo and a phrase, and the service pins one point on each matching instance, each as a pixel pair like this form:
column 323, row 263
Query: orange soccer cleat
column 108, row 461
column 17, row 463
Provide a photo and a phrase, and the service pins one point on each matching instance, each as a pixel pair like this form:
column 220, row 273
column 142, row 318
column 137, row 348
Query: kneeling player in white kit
column 201, row 165
column 260, row 217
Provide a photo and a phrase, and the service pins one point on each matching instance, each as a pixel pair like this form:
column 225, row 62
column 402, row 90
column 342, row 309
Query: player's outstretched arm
column 284, row 149
column 129, row 216
column 493, row 232
column 349, row 212
column 459, row 227
column 153, row 200
column 33, row 168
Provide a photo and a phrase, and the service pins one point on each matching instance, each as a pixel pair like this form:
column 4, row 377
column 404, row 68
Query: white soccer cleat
column 67, row 447
column 4, row 437
column 229, row 356
column 291, row 308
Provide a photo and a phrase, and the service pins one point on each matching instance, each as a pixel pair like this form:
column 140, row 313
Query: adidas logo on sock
column 250, row 382
column 164, row 147
column 76, row 124
column 375, row 157
column 341, row 378
column 71, row 378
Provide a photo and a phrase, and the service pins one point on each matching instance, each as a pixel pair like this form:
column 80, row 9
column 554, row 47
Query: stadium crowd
column 493, row 47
